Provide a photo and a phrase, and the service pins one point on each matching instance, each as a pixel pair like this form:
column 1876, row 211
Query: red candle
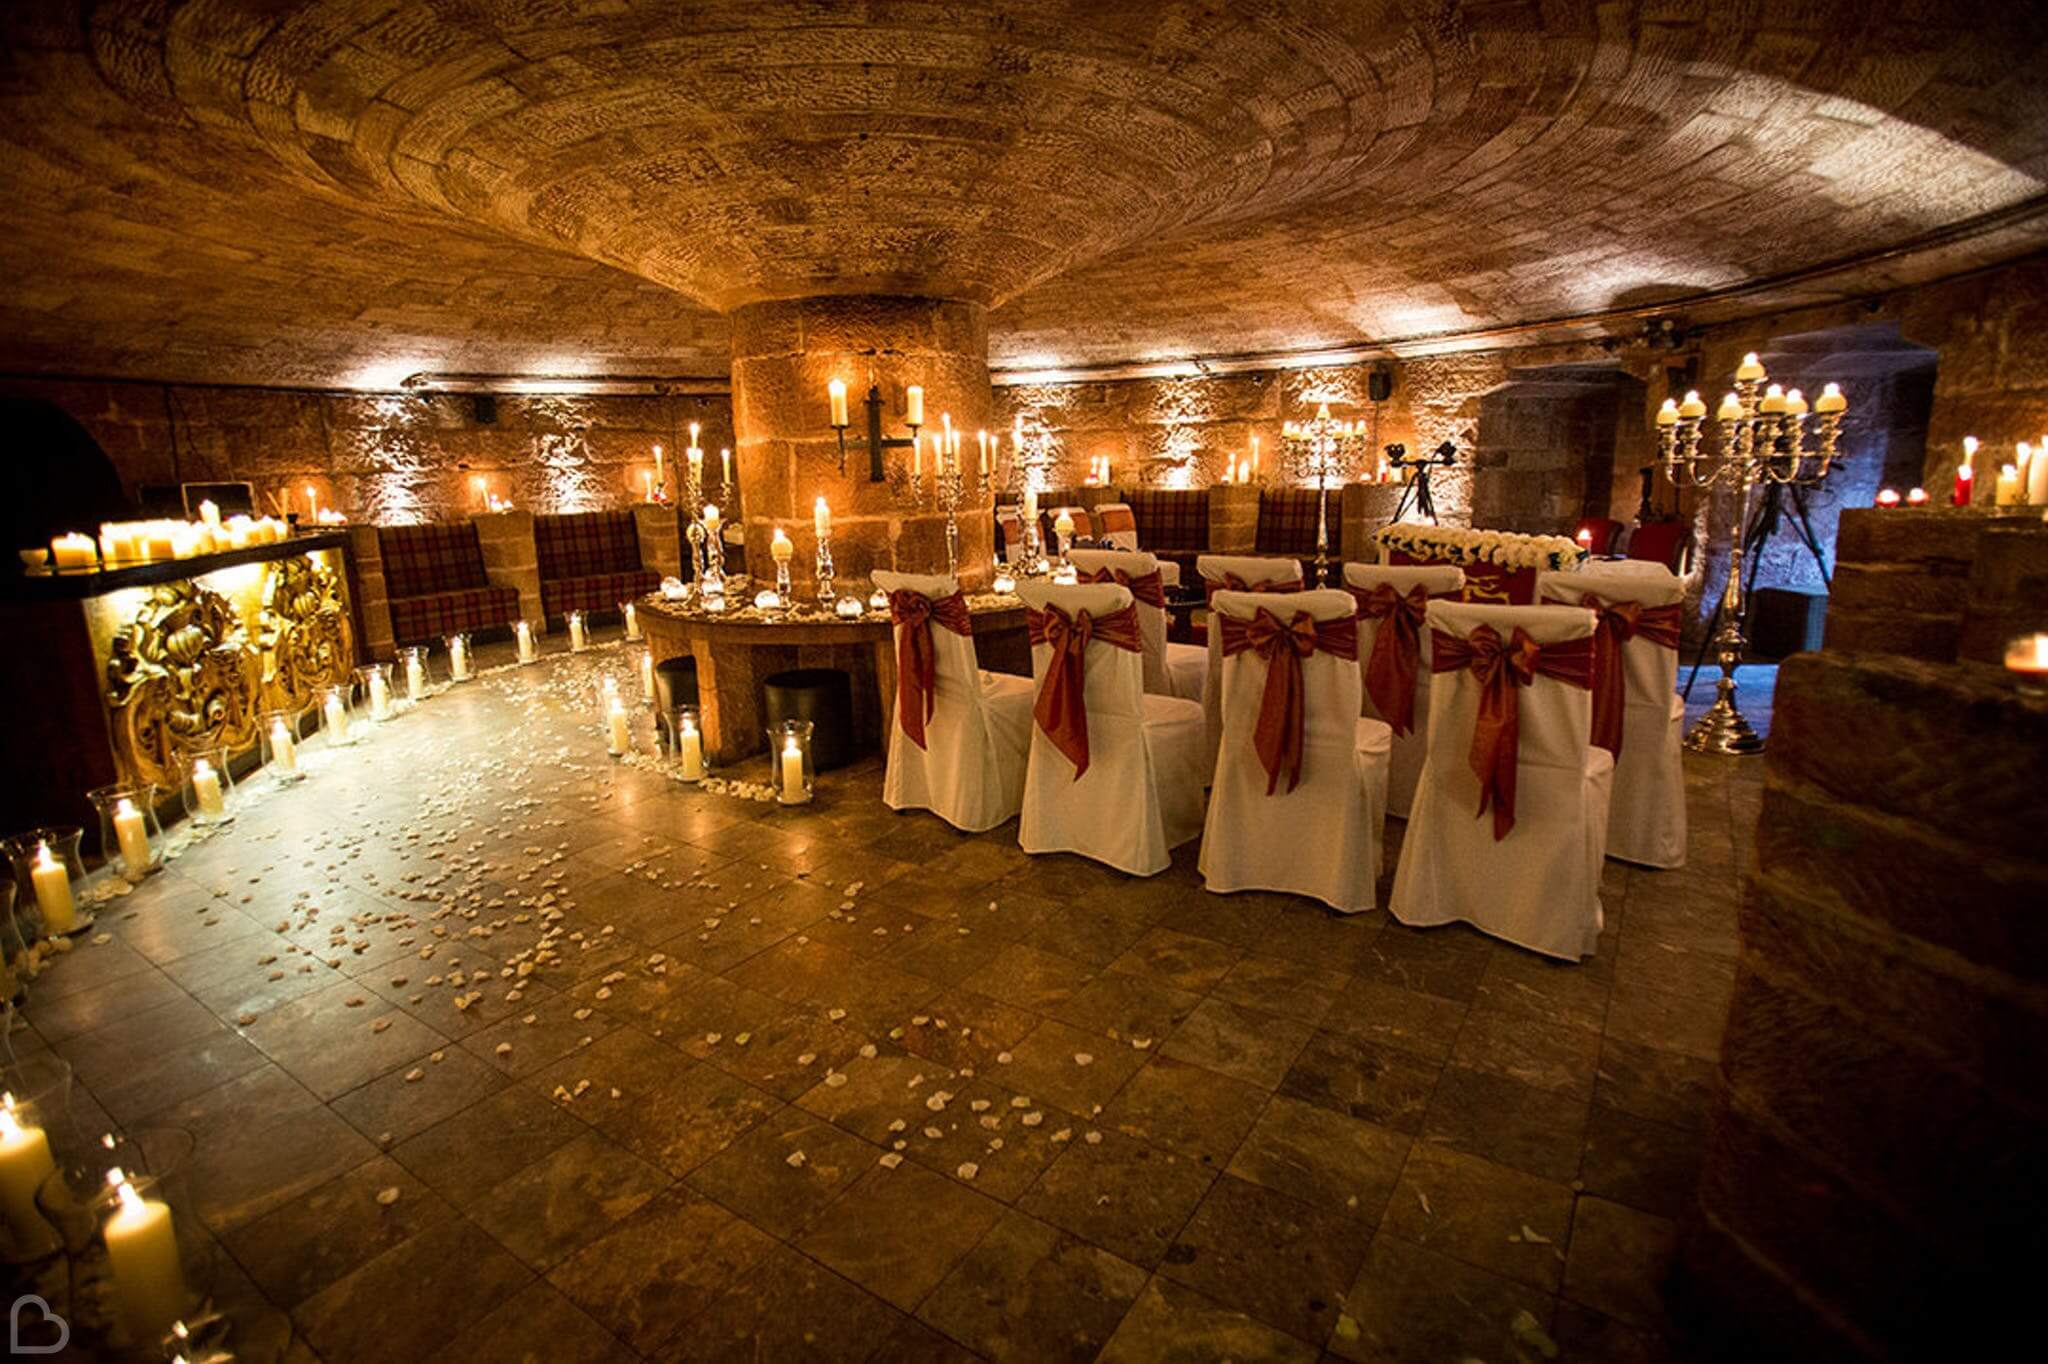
column 1963, row 486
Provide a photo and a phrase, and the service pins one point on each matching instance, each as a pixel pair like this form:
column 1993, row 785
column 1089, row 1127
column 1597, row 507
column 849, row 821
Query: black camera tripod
column 1416, row 494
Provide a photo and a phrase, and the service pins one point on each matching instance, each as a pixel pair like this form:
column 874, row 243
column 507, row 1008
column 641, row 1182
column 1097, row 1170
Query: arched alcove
column 1547, row 448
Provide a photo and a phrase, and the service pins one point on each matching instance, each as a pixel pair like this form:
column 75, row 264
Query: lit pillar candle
column 821, row 518
column 710, row 519
column 913, row 405
column 632, row 618
column 690, row 750
column 2007, row 491
column 337, row 718
column 1966, row 475
column 24, row 1164
column 142, row 1250
column 724, row 464
column 206, row 789
column 132, row 833
column 284, row 750
column 793, row 792
column 660, row 470
column 73, row 551
column 619, row 728
column 982, row 436
column 647, row 673
column 312, row 504
column 458, row 658
column 836, row 391
column 1031, row 507
column 781, row 549
column 695, row 455
column 52, row 880
column 526, row 650
column 415, row 678
column 577, row 640
column 380, row 697
column 2037, row 475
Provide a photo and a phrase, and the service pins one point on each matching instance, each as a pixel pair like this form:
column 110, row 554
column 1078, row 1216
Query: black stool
column 824, row 696
column 675, row 684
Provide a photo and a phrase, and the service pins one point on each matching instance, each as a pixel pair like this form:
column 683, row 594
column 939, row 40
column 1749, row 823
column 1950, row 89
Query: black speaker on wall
column 1379, row 385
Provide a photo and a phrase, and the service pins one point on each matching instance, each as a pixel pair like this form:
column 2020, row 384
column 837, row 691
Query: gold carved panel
column 308, row 641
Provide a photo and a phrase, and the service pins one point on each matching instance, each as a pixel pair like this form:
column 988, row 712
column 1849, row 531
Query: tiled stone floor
column 1001, row 1107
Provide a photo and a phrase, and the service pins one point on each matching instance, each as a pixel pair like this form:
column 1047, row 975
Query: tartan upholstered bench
column 589, row 561
column 1173, row 523
column 437, row 585
column 1287, row 523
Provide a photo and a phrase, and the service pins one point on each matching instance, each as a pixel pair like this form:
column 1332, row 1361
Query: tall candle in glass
column 142, row 1250
column 24, row 1164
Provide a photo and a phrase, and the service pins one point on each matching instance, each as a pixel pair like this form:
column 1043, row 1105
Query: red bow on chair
column 1150, row 588
column 1230, row 582
column 1283, row 707
column 1396, row 650
column 1062, row 706
column 916, row 660
column 1621, row 621
column 1500, row 669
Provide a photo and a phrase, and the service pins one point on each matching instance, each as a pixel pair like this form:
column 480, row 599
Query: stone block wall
column 511, row 559
column 1907, row 582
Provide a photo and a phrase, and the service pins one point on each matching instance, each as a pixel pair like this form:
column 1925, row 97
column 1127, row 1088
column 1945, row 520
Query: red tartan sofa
column 1173, row 523
column 434, row 577
column 1287, row 523
column 590, row 562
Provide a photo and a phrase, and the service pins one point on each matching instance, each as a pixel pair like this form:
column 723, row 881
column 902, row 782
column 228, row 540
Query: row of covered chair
column 1504, row 734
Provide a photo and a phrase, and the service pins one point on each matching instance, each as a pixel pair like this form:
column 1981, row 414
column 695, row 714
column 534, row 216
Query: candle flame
column 43, row 859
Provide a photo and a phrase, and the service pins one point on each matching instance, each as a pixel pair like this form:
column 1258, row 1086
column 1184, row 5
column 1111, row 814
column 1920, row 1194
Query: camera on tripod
column 1416, row 494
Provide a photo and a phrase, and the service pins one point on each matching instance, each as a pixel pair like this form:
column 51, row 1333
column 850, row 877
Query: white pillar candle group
column 131, row 831
column 52, row 880
column 142, row 1250
column 525, row 633
column 24, row 1164
column 206, row 789
column 380, row 696
column 284, row 750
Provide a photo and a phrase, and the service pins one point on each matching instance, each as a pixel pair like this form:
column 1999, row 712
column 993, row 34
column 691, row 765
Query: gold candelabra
column 1766, row 438
column 1323, row 450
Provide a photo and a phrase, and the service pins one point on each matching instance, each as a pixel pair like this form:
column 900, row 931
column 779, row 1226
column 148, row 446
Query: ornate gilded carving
column 180, row 674
column 307, row 638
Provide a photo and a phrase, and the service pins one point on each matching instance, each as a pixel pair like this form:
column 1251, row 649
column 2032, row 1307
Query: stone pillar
column 372, row 599
column 785, row 352
column 1367, row 507
column 1233, row 518
column 660, row 531
column 511, row 558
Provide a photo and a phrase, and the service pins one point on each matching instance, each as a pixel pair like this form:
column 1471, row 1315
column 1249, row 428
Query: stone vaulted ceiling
column 343, row 191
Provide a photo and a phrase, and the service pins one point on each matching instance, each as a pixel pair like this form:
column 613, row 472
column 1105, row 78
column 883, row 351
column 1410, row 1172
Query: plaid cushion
column 594, row 592
column 1287, row 523
column 585, row 544
column 422, row 560
column 429, row 618
column 1171, row 521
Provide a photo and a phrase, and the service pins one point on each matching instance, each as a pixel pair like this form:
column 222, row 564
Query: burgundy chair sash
column 917, row 661
column 1283, row 706
column 1149, row 588
column 1230, row 582
column 1396, row 650
column 1062, row 706
column 1620, row 622
column 1501, row 668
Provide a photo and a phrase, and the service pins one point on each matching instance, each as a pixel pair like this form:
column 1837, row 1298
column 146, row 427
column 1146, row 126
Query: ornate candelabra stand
column 1323, row 450
column 1767, row 438
column 695, row 530
column 827, row 598
column 877, row 443
column 947, row 488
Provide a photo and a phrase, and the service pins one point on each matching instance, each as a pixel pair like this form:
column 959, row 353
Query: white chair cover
column 1627, row 568
column 1167, row 668
column 1116, row 525
column 1540, row 886
column 970, row 772
column 1405, row 767
column 1256, row 841
column 1646, row 822
column 1141, row 796
column 1250, row 570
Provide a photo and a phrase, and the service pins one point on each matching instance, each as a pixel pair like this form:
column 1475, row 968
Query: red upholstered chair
column 589, row 561
column 1660, row 542
column 1287, row 524
column 437, row 586
column 1597, row 534
column 1173, row 524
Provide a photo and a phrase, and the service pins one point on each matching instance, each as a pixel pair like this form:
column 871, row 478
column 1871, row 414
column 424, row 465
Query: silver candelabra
column 827, row 598
column 697, row 530
column 1767, row 438
column 1324, row 450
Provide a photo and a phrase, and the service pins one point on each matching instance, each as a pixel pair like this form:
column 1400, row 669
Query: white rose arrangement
column 1460, row 545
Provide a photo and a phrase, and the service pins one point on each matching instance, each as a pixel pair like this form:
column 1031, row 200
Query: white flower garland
column 1504, row 549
